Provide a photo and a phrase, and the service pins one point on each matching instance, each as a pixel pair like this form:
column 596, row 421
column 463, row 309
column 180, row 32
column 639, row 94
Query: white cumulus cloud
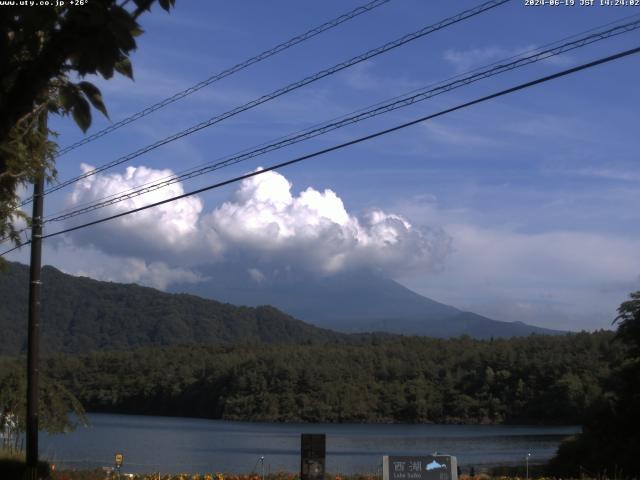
column 262, row 227
column 313, row 229
column 169, row 227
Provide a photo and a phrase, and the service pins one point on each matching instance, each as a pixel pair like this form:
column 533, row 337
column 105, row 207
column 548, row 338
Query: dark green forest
column 538, row 379
column 80, row 315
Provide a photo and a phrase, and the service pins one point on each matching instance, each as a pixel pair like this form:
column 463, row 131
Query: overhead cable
column 293, row 86
column 278, row 166
column 225, row 73
column 379, row 109
column 532, row 51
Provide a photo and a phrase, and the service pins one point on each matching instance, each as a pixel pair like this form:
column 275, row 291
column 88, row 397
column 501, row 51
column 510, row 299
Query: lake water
column 174, row 445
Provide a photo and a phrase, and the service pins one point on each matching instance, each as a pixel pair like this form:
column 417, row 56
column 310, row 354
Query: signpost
column 119, row 459
column 424, row 467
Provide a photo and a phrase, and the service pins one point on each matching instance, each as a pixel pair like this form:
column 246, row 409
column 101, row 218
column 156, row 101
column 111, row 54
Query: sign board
column 424, row 467
column 119, row 459
column 313, row 454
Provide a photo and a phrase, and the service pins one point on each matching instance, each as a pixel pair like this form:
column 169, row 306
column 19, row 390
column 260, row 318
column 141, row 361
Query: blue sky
column 526, row 206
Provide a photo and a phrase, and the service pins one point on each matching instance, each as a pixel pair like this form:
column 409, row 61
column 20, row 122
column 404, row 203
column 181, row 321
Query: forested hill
column 537, row 379
column 81, row 315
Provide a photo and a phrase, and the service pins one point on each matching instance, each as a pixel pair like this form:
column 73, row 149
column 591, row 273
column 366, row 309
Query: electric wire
column 256, row 147
column 225, row 73
column 378, row 109
column 293, row 86
column 380, row 133
column 462, row 74
column 256, row 150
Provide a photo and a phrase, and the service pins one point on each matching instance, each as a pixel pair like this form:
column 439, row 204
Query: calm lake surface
column 174, row 445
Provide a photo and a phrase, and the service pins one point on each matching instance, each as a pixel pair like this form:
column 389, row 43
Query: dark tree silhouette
column 610, row 442
column 42, row 49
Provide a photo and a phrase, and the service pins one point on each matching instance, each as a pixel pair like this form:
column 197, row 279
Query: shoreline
column 261, row 422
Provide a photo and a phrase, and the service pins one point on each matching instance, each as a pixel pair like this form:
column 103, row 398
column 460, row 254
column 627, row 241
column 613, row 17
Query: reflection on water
column 169, row 444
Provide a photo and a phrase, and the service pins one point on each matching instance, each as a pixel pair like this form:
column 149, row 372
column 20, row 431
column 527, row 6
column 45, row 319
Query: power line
column 178, row 176
column 15, row 248
column 293, row 86
column 229, row 71
column 378, row 109
column 278, row 166
column 537, row 50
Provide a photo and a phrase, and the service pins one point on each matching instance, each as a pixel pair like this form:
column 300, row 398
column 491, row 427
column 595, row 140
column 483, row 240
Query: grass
column 13, row 466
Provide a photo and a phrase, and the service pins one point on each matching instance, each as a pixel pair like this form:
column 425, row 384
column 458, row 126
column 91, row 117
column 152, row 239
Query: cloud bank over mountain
column 263, row 223
column 272, row 230
column 313, row 230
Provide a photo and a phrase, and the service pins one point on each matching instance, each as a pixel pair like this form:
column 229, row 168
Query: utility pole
column 33, row 342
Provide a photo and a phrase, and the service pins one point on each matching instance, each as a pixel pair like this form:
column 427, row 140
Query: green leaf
column 165, row 4
column 144, row 5
column 95, row 97
column 52, row 107
column 105, row 69
column 124, row 67
column 68, row 96
column 82, row 114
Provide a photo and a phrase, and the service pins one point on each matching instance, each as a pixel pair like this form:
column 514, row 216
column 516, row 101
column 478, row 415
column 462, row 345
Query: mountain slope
column 80, row 315
column 353, row 302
